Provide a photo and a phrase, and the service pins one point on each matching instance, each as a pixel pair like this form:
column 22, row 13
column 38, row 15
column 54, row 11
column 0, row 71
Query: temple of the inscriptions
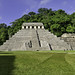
column 33, row 37
column 32, row 26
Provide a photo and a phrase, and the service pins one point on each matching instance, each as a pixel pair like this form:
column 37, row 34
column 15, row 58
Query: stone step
column 40, row 40
column 52, row 36
column 72, row 44
column 55, row 47
column 70, row 39
column 73, row 48
column 35, row 40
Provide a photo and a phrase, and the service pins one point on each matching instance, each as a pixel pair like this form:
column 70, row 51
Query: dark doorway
column 24, row 27
column 28, row 27
column 40, row 27
column 36, row 27
column 32, row 27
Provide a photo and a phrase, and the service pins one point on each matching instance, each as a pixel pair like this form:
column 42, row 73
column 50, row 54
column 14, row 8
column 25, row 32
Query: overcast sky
column 14, row 9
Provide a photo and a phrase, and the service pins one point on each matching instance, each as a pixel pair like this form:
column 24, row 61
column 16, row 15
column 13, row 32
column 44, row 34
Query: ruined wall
column 70, row 39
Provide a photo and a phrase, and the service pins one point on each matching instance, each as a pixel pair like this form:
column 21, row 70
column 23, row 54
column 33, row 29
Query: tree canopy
column 58, row 22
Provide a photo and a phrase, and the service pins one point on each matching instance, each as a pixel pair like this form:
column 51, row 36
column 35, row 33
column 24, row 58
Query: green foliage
column 58, row 22
column 3, row 35
column 31, row 13
column 70, row 29
column 43, row 11
column 56, row 29
column 3, row 25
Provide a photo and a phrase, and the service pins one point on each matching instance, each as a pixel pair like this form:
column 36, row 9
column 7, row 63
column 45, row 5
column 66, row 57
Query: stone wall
column 70, row 39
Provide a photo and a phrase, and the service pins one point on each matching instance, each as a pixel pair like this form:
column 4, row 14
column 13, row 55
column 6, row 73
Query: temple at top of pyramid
column 34, row 37
column 32, row 26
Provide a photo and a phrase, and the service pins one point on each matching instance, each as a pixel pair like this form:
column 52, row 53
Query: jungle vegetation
column 58, row 22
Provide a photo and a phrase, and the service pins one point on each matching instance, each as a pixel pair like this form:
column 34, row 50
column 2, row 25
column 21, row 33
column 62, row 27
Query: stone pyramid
column 34, row 37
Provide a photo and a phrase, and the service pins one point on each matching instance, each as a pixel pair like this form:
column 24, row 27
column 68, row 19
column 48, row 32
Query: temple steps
column 31, row 39
column 54, row 41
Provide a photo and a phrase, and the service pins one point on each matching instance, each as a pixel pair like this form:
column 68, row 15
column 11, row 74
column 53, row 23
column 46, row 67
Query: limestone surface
column 34, row 38
column 70, row 39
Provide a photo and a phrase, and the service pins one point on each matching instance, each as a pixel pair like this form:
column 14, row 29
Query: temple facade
column 32, row 26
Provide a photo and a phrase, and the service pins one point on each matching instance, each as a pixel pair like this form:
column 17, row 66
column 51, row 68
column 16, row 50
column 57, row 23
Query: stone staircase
column 52, row 40
column 31, row 39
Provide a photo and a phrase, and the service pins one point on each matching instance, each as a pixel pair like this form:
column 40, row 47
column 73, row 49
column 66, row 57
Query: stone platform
column 70, row 39
column 34, row 37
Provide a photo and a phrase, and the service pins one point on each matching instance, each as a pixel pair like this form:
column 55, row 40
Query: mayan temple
column 34, row 37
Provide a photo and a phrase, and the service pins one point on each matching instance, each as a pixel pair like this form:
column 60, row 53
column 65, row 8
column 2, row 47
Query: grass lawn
column 37, row 63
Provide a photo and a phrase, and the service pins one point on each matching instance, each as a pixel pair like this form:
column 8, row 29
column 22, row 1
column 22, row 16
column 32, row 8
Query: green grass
column 37, row 63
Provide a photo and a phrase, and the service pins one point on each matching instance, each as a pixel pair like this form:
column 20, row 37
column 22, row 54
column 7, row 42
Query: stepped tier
column 34, row 40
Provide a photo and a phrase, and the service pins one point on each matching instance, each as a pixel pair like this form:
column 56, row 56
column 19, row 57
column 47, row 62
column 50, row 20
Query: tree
column 3, row 25
column 43, row 11
column 70, row 29
column 31, row 13
column 25, row 17
column 50, row 12
column 56, row 29
column 60, row 11
column 3, row 35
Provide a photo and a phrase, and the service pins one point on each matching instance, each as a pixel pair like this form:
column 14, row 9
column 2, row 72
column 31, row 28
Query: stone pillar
column 22, row 27
column 30, row 27
column 42, row 27
column 26, row 27
column 38, row 27
column 34, row 27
